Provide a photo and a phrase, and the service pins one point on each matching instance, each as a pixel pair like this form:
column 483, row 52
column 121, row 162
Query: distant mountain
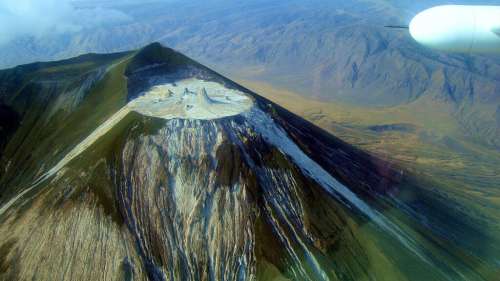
column 146, row 165
column 330, row 50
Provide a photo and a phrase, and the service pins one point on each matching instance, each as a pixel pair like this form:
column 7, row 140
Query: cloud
column 38, row 18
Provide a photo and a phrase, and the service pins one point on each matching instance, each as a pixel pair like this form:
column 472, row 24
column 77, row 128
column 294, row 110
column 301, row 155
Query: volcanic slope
column 146, row 165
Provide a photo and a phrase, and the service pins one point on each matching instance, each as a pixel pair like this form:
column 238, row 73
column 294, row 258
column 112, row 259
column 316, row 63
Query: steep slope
column 149, row 166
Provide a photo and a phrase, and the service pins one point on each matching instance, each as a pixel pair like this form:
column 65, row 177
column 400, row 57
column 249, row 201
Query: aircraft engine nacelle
column 458, row 28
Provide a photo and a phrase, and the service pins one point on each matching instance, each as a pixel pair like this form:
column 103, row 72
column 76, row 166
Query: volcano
column 146, row 165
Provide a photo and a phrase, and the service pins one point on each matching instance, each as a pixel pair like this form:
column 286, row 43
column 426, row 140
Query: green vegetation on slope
column 345, row 244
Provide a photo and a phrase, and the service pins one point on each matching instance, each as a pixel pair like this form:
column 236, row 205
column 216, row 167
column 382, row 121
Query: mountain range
column 328, row 50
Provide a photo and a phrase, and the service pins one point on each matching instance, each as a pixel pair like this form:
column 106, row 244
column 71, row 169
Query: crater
column 191, row 99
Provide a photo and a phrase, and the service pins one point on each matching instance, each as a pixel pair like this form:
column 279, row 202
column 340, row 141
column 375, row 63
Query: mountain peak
column 156, row 54
column 189, row 176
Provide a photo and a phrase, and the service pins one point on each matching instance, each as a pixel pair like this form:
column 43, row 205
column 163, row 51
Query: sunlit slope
column 144, row 194
column 60, row 103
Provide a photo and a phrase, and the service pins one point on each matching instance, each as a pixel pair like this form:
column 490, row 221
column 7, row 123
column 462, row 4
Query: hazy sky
column 39, row 18
column 42, row 17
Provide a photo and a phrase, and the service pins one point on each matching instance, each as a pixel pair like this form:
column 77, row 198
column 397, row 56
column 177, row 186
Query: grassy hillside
column 59, row 104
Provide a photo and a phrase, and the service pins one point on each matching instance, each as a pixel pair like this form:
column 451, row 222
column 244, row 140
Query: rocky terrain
column 99, row 182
